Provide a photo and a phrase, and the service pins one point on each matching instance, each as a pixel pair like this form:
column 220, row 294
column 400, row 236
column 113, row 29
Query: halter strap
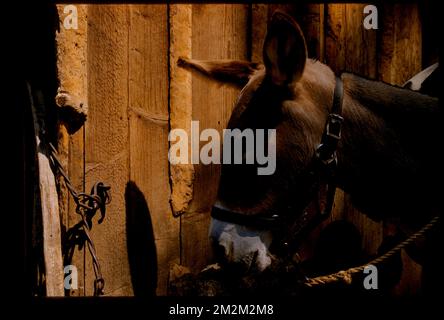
column 326, row 150
column 326, row 163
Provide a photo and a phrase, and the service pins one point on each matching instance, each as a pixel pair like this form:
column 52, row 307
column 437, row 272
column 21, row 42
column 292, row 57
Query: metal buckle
column 334, row 124
column 99, row 284
column 331, row 162
column 327, row 158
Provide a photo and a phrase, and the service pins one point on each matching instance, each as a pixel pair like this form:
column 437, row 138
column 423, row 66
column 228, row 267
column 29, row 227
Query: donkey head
column 290, row 94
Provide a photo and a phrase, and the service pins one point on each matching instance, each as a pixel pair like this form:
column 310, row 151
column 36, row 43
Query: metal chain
column 86, row 206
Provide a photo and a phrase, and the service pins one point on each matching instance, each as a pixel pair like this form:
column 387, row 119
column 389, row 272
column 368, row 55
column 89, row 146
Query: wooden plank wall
column 218, row 32
column 72, row 77
column 106, row 139
column 148, row 126
column 124, row 143
column 131, row 54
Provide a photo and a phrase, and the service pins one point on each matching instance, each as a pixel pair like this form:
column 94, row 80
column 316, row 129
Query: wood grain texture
column 182, row 175
column 149, row 172
column 106, row 140
column 401, row 44
column 219, row 32
column 76, row 172
column 335, row 37
column 312, row 25
column 259, row 19
column 49, row 205
column 149, row 135
column 148, row 140
column 72, row 75
column 360, row 43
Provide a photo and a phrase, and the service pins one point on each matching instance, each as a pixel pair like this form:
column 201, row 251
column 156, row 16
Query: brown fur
column 384, row 162
column 388, row 157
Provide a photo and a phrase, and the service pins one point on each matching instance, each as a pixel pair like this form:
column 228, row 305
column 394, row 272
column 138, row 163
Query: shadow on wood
column 140, row 242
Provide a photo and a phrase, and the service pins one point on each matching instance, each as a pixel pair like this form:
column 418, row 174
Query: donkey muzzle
column 240, row 245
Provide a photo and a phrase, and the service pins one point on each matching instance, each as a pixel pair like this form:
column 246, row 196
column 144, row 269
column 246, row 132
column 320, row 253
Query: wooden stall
column 121, row 63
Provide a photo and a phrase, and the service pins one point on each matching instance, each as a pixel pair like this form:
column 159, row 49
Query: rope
column 346, row 275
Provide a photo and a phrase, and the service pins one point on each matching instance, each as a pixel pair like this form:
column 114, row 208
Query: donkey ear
column 231, row 71
column 285, row 52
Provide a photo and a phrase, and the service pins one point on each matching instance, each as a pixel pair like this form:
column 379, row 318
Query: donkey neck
column 385, row 160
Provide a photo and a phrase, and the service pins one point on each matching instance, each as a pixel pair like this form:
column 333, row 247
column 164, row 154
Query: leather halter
column 325, row 161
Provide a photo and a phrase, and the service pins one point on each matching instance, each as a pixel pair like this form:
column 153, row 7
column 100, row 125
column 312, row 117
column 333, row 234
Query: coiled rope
column 346, row 275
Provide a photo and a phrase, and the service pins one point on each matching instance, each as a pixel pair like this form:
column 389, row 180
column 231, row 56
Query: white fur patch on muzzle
column 242, row 244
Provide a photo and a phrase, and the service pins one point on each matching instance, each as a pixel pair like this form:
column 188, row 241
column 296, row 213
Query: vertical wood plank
column 335, row 37
column 106, row 140
column 400, row 43
column 72, row 76
column 182, row 175
column 49, row 205
column 259, row 19
column 360, row 49
column 219, row 32
column 148, row 103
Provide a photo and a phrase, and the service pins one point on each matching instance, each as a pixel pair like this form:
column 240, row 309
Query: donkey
column 386, row 158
